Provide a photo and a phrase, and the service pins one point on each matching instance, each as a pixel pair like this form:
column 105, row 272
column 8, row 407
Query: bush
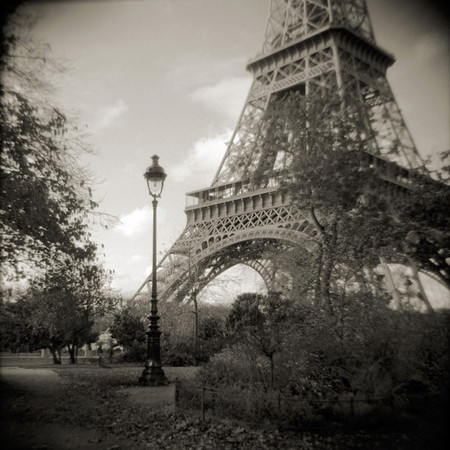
column 136, row 353
column 236, row 385
column 381, row 367
column 236, row 365
column 178, row 355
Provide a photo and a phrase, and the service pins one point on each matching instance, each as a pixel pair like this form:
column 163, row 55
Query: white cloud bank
column 202, row 160
column 226, row 97
column 135, row 222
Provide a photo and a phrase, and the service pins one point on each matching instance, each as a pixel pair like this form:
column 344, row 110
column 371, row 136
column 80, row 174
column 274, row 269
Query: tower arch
column 197, row 271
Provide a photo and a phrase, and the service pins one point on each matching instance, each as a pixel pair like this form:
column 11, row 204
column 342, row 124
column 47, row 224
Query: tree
column 15, row 331
column 128, row 328
column 355, row 220
column 422, row 219
column 262, row 322
column 45, row 194
column 65, row 302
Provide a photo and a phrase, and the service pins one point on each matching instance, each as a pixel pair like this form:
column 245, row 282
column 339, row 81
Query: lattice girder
column 290, row 20
column 214, row 226
column 339, row 56
column 250, row 253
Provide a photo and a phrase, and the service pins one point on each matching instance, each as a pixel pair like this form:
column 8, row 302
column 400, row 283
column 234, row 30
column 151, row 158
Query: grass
column 119, row 375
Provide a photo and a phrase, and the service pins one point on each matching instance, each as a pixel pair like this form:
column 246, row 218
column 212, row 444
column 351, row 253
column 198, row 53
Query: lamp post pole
column 153, row 374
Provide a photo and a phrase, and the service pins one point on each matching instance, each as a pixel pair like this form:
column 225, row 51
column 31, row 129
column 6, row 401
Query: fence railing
column 275, row 405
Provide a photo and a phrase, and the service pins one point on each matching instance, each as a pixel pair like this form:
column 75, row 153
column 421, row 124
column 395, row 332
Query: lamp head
column 155, row 176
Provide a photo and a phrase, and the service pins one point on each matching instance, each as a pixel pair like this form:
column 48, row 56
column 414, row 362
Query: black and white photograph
column 225, row 224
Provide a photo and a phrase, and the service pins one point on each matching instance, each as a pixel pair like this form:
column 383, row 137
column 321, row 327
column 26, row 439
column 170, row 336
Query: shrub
column 136, row 353
column 236, row 365
column 178, row 355
column 391, row 364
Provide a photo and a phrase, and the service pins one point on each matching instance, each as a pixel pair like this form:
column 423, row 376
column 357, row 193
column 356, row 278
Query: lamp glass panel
column 155, row 186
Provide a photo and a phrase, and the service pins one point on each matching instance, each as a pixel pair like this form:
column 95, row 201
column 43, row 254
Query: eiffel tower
column 309, row 46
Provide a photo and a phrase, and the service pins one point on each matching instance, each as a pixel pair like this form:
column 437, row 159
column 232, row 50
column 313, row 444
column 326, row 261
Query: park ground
column 90, row 407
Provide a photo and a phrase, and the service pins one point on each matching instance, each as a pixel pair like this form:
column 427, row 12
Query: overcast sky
column 168, row 77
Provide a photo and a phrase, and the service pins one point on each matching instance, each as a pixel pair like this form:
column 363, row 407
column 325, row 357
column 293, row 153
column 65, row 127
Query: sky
column 168, row 77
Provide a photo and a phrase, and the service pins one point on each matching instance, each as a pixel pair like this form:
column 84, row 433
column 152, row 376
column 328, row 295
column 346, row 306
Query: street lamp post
column 153, row 374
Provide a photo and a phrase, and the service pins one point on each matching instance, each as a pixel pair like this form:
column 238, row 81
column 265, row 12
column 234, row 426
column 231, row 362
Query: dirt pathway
column 33, row 411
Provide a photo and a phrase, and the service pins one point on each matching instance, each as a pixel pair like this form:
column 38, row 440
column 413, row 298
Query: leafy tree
column 262, row 322
column 15, row 331
column 44, row 193
column 128, row 328
column 211, row 333
column 191, row 333
column 422, row 219
column 64, row 303
column 339, row 338
column 370, row 352
column 322, row 143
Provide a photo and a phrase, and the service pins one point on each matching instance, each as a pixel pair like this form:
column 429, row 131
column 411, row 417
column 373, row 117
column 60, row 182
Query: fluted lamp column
column 153, row 373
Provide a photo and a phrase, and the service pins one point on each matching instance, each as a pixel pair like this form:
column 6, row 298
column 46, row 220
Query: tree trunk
column 271, row 371
column 73, row 359
column 318, row 275
column 56, row 355
column 329, row 249
column 325, row 259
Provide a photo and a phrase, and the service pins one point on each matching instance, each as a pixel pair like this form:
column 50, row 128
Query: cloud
column 202, row 160
column 108, row 115
column 226, row 97
column 135, row 222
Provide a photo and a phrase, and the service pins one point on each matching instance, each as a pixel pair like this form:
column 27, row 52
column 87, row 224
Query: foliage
column 60, row 307
column 46, row 199
column 423, row 222
column 183, row 343
column 236, row 365
column 338, row 342
column 362, row 358
column 177, row 327
column 371, row 355
column 341, row 341
column 128, row 329
column 15, row 333
column 354, row 217
column 326, row 180
column 45, row 193
column 261, row 321
column 212, row 335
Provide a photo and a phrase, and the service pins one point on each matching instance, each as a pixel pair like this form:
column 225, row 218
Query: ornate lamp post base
column 153, row 376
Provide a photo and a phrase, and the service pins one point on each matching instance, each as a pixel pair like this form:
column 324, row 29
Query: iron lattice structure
column 312, row 46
